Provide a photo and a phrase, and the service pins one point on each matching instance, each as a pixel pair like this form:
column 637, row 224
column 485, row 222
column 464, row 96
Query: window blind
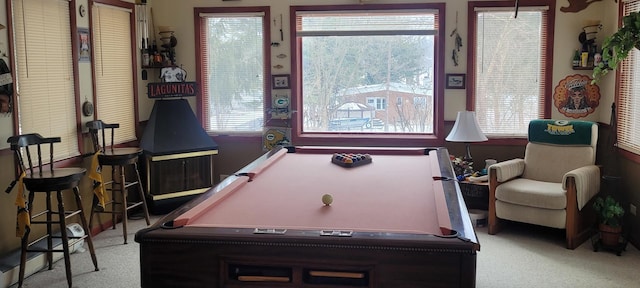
column 232, row 49
column 115, row 99
column 510, row 69
column 44, row 72
column 629, row 89
column 348, row 23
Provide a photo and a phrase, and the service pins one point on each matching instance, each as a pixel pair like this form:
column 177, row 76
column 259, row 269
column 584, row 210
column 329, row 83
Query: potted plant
column 609, row 212
column 616, row 47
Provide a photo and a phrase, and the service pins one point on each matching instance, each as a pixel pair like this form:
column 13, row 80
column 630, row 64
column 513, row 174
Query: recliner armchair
column 554, row 182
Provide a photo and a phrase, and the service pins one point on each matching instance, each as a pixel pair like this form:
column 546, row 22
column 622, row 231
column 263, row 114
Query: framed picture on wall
column 83, row 40
column 280, row 81
column 455, row 81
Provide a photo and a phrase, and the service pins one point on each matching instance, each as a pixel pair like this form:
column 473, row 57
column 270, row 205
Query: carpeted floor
column 519, row 256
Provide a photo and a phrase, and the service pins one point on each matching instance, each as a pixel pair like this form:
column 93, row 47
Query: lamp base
column 467, row 157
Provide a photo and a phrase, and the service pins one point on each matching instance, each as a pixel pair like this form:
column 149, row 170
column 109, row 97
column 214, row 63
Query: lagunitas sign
column 172, row 89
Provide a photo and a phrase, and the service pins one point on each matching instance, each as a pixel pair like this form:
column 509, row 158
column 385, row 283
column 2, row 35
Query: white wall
column 567, row 28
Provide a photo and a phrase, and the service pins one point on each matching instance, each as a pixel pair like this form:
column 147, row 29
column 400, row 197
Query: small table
column 475, row 194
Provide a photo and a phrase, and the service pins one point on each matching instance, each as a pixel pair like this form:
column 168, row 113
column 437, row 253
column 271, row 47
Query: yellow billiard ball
column 327, row 199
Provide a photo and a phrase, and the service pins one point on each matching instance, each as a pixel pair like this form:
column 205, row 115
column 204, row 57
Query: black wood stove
column 178, row 155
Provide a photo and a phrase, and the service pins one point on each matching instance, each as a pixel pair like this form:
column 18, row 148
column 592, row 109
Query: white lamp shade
column 466, row 129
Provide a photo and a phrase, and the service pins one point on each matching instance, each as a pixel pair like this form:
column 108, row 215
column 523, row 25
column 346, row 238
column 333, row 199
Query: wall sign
column 576, row 97
column 172, row 89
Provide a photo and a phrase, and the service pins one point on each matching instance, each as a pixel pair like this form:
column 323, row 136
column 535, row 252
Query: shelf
column 157, row 66
column 583, row 68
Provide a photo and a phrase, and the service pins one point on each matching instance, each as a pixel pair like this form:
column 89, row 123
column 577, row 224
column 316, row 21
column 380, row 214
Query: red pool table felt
column 394, row 193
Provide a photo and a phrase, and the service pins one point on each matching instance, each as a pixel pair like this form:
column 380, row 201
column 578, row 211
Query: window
column 367, row 57
column 378, row 103
column 232, row 68
column 113, row 68
column 628, row 103
column 510, row 74
column 44, row 66
column 420, row 101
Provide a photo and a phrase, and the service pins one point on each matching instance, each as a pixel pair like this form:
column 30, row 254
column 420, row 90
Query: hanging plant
column 616, row 47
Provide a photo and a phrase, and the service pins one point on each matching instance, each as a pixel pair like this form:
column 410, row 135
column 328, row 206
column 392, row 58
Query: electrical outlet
column 632, row 209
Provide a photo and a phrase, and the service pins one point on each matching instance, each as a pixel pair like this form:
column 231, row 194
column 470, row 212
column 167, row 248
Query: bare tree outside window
column 234, row 73
column 356, row 65
column 509, row 68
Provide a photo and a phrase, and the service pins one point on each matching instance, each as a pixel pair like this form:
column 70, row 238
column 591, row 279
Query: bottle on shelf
column 576, row 59
column 584, row 59
column 145, row 53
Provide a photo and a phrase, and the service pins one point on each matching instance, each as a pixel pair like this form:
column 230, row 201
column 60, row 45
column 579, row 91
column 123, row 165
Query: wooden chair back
column 98, row 132
column 24, row 146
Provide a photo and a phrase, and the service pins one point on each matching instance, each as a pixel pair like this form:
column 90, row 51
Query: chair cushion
column 555, row 218
column 549, row 163
column 532, row 193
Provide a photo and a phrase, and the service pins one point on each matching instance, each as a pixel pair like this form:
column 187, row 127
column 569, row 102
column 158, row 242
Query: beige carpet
column 520, row 256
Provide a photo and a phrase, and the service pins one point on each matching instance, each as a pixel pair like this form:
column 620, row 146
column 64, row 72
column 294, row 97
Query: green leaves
column 609, row 211
column 616, row 47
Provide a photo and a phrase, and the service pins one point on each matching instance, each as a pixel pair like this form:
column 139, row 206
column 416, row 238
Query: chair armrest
column 508, row 170
column 587, row 181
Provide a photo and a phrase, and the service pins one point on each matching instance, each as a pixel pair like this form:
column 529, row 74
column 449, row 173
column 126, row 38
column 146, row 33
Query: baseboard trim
column 10, row 264
column 102, row 227
column 35, row 262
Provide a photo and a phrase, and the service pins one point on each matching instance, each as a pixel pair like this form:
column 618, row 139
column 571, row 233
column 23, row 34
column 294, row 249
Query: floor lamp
column 466, row 130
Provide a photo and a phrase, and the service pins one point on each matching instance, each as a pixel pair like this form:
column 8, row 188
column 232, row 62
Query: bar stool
column 118, row 159
column 37, row 178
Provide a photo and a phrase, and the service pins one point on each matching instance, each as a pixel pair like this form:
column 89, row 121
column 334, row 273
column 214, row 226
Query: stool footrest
column 108, row 212
column 127, row 185
column 67, row 214
column 42, row 213
column 39, row 239
column 43, row 250
column 130, row 205
column 72, row 240
column 133, row 205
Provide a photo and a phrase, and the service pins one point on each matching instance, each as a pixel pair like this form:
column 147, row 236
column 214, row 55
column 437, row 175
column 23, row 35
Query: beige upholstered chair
column 554, row 182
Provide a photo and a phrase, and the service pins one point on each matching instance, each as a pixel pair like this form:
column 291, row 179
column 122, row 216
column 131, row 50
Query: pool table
column 398, row 221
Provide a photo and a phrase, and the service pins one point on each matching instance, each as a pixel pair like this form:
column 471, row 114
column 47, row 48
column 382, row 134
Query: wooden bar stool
column 118, row 159
column 37, row 178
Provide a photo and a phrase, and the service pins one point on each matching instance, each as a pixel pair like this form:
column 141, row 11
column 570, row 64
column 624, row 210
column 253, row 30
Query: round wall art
column 576, row 97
